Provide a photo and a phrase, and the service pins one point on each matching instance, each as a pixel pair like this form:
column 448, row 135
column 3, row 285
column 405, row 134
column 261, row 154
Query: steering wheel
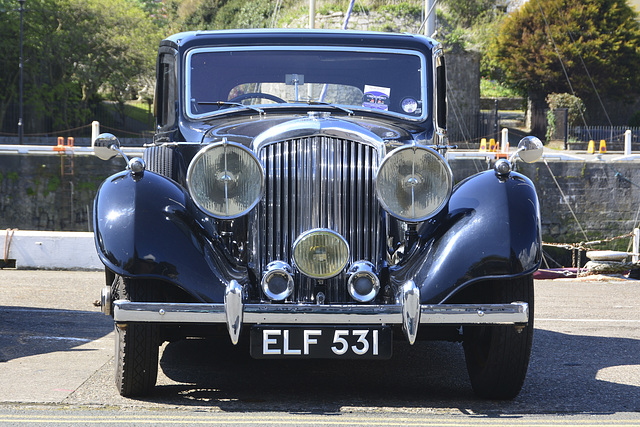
column 257, row 95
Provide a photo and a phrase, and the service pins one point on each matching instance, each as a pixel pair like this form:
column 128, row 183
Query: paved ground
column 56, row 350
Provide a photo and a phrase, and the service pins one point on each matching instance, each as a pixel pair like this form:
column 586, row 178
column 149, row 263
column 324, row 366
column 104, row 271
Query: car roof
column 296, row 37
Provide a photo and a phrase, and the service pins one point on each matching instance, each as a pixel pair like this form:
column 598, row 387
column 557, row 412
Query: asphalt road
column 56, row 366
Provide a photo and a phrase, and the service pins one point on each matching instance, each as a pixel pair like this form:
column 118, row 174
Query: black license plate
column 321, row 342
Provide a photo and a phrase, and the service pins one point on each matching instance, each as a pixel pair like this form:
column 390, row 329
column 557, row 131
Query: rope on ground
column 608, row 267
column 594, row 267
column 583, row 246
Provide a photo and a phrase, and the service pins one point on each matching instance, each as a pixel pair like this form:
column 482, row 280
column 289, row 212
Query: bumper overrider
column 408, row 312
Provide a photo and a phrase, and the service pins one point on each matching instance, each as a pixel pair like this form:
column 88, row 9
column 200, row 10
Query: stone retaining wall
column 605, row 196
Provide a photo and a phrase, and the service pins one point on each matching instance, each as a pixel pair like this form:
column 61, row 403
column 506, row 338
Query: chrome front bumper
column 408, row 312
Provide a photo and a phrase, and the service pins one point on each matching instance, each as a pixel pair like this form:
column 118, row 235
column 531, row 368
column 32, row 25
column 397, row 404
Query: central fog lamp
column 320, row 253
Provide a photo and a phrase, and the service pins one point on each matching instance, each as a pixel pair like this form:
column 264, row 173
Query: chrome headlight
column 413, row 183
column 320, row 253
column 225, row 180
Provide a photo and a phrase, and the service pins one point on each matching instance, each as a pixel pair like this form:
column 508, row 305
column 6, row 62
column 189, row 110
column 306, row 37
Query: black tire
column 498, row 356
column 136, row 346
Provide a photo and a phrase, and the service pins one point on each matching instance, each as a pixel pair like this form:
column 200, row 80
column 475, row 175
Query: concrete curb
column 51, row 250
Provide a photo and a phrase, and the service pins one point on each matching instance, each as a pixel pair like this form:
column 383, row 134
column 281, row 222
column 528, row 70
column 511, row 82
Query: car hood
column 254, row 132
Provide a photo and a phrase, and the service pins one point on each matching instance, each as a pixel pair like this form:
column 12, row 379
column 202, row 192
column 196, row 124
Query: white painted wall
column 51, row 250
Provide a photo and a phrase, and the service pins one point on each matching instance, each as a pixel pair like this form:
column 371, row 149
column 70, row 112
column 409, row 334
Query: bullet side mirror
column 106, row 146
column 530, row 149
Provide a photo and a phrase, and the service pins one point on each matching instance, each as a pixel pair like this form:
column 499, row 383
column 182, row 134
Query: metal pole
column 312, row 14
column 566, row 128
column 20, row 122
column 636, row 245
column 346, row 18
column 430, row 27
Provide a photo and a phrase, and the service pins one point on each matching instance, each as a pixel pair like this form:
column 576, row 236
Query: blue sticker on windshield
column 376, row 97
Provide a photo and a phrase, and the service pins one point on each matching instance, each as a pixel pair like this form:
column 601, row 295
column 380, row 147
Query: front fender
column 148, row 227
column 491, row 230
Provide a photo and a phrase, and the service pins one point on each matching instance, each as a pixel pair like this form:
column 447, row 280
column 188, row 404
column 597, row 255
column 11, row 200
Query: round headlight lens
column 225, row 180
column 413, row 183
column 320, row 253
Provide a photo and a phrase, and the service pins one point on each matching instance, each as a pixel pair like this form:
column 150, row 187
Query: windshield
column 383, row 81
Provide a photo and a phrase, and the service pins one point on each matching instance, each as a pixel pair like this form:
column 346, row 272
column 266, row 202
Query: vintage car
column 297, row 195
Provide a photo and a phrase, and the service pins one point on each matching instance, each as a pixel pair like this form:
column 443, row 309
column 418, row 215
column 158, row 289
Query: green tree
column 76, row 52
column 468, row 24
column 9, row 55
column 597, row 42
column 224, row 14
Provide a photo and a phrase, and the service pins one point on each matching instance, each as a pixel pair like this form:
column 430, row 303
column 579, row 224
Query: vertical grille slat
column 318, row 182
column 279, row 202
column 270, row 204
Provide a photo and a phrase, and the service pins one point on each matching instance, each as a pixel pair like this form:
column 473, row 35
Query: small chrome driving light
column 320, row 253
column 363, row 284
column 226, row 180
column 277, row 282
column 413, row 183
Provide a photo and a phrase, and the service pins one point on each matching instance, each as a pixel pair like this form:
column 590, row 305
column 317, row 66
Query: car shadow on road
column 562, row 378
column 28, row 331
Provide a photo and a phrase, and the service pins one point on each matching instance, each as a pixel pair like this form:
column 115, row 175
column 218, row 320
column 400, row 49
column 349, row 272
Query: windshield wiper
column 328, row 104
column 231, row 104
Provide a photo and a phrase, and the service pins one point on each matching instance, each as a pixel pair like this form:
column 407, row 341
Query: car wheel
column 136, row 346
column 498, row 355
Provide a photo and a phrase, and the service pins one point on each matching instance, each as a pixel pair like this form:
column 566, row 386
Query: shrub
column 574, row 105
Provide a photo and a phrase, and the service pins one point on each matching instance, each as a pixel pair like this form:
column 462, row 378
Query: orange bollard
column 60, row 146
column 70, row 141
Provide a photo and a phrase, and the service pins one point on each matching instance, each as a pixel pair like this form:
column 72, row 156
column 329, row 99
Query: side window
column 166, row 93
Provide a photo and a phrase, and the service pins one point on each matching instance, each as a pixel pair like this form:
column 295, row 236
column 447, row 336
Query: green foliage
column 602, row 34
column 634, row 121
column 575, row 106
column 138, row 111
column 52, row 185
column 469, row 13
column 468, row 24
column 224, row 14
column 329, row 7
column 75, row 52
column 494, row 89
column 402, row 9
column 90, row 186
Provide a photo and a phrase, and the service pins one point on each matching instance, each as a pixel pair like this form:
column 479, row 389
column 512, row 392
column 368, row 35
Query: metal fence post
column 566, row 128
column 627, row 142
column 636, row 245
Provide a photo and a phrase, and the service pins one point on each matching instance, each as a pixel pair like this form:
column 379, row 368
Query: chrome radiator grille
column 318, row 182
